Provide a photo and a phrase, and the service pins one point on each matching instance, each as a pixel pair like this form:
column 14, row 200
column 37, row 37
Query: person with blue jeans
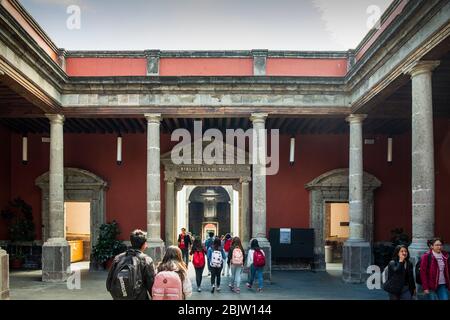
column 254, row 270
column 435, row 277
column 208, row 244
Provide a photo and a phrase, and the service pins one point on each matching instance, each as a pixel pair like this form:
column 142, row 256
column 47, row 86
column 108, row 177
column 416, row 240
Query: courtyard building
column 86, row 137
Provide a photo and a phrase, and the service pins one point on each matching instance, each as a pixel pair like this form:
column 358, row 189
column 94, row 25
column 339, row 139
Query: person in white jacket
column 256, row 269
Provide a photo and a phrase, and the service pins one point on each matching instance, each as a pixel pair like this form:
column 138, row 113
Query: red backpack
column 259, row 259
column 199, row 259
column 227, row 245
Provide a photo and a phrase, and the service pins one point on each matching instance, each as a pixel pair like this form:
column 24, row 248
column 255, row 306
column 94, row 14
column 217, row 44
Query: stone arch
column 333, row 186
column 79, row 185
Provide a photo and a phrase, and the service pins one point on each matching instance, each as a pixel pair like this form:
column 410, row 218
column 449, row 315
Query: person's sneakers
column 249, row 285
column 212, row 289
column 259, row 290
column 237, row 290
column 218, row 289
column 199, row 289
column 230, row 286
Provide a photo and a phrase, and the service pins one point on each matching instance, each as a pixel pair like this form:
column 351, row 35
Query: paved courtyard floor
column 291, row 285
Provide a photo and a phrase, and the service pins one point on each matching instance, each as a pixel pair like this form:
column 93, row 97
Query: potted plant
column 19, row 217
column 108, row 246
column 16, row 260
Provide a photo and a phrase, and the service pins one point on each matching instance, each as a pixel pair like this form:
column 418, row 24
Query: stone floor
column 27, row 285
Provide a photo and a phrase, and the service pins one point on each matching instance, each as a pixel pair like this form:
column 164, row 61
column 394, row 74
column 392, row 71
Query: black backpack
column 127, row 281
column 417, row 269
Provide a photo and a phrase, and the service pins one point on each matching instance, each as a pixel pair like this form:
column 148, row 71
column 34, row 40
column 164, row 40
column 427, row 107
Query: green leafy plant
column 108, row 246
column 399, row 237
column 19, row 216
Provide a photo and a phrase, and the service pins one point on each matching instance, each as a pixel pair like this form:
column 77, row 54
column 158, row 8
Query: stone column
column 357, row 250
column 170, row 211
column 245, row 212
column 155, row 244
column 4, row 275
column 56, row 250
column 259, row 155
column 423, row 176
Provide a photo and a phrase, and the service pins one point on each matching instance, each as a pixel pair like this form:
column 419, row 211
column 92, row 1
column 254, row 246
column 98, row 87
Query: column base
column 357, row 256
column 319, row 262
column 264, row 244
column 155, row 250
column 4, row 275
column 55, row 260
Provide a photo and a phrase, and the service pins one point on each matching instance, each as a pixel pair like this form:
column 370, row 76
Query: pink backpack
column 238, row 258
column 167, row 286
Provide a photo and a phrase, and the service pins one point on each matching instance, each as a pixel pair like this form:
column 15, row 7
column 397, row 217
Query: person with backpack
column 132, row 273
column 256, row 260
column 226, row 247
column 236, row 258
column 400, row 282
column 434, row 272
column 184, row 242
column 208, row 244
column 198, row 253
column 216, row 257
column 172, row 280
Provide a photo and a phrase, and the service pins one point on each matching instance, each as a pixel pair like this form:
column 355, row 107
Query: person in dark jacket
column 184, row 243
column 400, row 284
column 138, row 240
column 435, row 277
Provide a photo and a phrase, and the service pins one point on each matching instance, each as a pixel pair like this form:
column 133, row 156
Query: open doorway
column 337, row 229
column 78, row 231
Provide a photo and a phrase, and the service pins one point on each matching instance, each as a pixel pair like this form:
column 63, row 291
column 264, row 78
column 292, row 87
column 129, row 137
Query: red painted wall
column 206, row 67
column 306, row 67
column 106, row 67
column 287, row 198
column 5, row 174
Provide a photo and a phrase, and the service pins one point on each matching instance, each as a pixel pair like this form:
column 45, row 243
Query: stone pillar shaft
column 245, row 213
column 259, row 189
column 155, row 245
column 423, row 177
column 259, row 175
column 56, row 177
column 356, row 173
column 170, row 212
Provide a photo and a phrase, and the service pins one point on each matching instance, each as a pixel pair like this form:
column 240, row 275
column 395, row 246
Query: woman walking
column 216, row 257
column 236, row 258
column 400, row 284
column 434, row 272
column 198, row 260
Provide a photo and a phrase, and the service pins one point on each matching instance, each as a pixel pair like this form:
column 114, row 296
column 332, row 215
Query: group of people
column 431, row 272
column 133, row 275
column 225, row 257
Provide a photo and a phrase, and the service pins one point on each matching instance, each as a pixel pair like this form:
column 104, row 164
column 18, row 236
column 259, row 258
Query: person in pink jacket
column 435, row 277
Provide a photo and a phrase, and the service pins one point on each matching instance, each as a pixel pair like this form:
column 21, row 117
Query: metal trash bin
column 328, row 254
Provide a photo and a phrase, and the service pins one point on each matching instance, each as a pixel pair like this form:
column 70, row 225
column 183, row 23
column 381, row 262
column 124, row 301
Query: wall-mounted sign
column 285, row 236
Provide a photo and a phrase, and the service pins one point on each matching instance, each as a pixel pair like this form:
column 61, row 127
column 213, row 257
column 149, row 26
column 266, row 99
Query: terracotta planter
column 108, row 264
column 16, row 264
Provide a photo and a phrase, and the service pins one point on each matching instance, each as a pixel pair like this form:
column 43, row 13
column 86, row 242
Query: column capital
column 55, row 118
column 246, row 179
column 152, row 53
column 153, row 117
column 258, row 117
column 419, row 67
column 356, row 118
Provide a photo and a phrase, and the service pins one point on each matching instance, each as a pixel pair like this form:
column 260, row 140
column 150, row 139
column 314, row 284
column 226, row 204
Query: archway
column 332, row 187
column 79, row 186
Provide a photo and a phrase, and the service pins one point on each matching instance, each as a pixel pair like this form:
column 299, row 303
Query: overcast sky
column 206, row 24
